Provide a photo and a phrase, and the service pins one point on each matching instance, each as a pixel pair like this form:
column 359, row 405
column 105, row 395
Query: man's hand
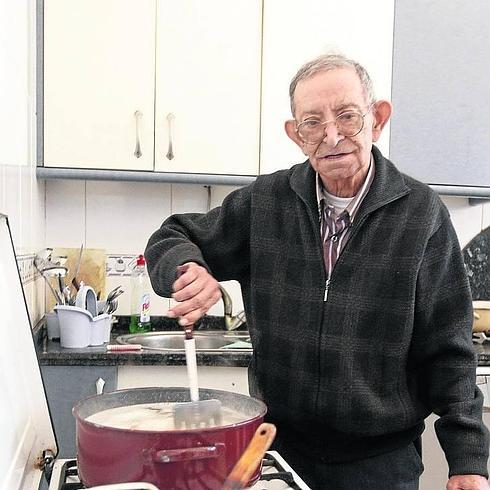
column 467, row 482
column 196, row 291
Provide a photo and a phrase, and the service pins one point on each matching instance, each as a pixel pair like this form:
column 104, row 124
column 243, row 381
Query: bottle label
column 145, row 308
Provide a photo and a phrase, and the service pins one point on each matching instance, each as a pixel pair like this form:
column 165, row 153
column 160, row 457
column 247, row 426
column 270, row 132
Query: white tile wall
column 120, row 216
column 21, row 195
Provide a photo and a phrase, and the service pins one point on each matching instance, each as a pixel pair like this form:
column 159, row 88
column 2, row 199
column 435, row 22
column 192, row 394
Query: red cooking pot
column 197, row 459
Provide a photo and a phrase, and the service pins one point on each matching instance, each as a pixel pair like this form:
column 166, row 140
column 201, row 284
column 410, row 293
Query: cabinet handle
column 170, row 152
column 99, row 386
column 137, row 116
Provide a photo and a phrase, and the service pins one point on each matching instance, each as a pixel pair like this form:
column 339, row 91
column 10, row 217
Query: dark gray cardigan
column 356, row 375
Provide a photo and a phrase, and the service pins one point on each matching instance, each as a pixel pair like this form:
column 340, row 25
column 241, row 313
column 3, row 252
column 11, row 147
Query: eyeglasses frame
column 324, row 123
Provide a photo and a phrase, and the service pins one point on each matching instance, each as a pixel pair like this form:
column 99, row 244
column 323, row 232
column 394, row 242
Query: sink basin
column 206, row 341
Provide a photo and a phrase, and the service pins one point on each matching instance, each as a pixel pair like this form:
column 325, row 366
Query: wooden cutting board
column 92, row 270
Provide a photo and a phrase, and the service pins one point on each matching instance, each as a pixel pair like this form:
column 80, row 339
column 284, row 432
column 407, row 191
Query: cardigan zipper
column 327, row 285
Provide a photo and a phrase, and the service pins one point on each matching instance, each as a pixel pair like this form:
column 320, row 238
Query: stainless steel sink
column 206, row 341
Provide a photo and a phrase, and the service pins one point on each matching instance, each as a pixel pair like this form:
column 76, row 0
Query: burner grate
column 273, row 472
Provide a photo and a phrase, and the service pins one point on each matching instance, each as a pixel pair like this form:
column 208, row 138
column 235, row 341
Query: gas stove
column 276, row 475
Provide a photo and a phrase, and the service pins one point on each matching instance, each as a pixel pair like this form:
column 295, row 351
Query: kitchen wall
column 120, row 216
column 22, row 197
column 115, row 216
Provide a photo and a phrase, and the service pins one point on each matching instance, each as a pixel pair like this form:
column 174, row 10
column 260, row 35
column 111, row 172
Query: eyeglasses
column 348, row 123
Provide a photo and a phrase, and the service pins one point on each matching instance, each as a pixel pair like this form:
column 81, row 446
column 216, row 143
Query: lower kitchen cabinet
column 64, row 386
column 233, row 379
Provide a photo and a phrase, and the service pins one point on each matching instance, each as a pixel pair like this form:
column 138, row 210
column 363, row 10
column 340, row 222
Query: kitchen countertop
column 50, row 352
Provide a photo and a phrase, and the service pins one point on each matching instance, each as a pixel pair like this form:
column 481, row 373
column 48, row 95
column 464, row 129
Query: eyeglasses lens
column 348, row 124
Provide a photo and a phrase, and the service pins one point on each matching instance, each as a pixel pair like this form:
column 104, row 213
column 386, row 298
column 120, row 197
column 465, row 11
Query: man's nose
column 332, row 135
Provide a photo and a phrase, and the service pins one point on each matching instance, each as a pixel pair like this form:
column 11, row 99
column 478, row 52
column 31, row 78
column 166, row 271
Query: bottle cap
column 140, row 260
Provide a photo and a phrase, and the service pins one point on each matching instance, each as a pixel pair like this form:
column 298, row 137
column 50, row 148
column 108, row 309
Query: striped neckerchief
column 334, row 230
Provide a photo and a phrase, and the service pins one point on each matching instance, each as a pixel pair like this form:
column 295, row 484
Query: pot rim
column 262, row 408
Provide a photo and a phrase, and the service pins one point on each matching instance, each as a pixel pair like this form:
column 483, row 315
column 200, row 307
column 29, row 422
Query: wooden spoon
column 247, row 464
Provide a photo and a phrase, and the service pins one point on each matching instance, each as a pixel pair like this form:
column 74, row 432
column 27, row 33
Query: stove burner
column 272, row 470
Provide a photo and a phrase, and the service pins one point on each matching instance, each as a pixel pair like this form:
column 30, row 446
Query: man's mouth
column 333, row 156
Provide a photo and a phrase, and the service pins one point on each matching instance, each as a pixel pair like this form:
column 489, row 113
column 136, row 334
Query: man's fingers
column 195, row 292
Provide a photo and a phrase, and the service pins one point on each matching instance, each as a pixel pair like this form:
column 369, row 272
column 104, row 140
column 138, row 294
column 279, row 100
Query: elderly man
column 355, row 295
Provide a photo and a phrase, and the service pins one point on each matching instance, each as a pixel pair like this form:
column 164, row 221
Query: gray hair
column 327, row 62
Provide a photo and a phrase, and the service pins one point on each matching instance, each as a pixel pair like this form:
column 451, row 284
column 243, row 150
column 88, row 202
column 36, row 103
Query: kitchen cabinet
column 66, row 385
column 233, row 379
column 295, row 32
column 208, row 86
column 152, row 85
column 440, row 92
column 99, row 71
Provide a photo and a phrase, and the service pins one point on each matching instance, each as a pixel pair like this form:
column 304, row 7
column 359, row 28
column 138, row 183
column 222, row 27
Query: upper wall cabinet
column 294, row 33
column 208, row 86
column 153, row 85
column 99, row 72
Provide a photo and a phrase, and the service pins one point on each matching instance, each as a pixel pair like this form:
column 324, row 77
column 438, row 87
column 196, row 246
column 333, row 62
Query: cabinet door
column 233, row 379
column 208, row 86
column 98, row 72
column 65, row 386
column 294, row 33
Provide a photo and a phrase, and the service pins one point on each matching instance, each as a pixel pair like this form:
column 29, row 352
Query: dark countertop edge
column 50, row 353
column 143, row 359
column 98, row 356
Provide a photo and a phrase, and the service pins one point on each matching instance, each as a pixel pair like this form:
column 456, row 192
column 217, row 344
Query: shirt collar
column 354, row 205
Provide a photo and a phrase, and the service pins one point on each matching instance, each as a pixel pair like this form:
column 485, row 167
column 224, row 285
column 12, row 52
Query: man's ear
column 382, row 112
column 290, row 127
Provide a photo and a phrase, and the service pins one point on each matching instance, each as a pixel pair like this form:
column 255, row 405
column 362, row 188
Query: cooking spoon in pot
column 244, row 468
column 196, row 413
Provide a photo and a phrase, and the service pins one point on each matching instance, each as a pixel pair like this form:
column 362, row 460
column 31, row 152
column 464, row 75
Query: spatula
column 244, row 468
column 196, row 413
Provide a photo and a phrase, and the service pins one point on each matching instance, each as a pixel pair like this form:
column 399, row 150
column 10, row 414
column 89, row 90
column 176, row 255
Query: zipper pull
column 327, row 284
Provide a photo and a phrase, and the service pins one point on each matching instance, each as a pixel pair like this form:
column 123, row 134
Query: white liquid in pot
column 152, row 416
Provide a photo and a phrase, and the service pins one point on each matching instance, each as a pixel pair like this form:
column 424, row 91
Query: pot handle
column 186, row 453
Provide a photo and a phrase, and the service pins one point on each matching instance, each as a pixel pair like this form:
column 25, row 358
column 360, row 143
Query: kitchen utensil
column 87, row 299
column 114, row 293
column 74, row 281
column 197, row 459
column 195, row 413
column 112, row 306
column 251, row 459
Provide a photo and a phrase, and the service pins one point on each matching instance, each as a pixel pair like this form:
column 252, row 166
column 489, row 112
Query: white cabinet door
column 233, row 379
column 208, row 86
column 99, row 59
column 297, row 31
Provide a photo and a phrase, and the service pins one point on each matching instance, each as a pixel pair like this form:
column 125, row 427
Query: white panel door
column 297, row 31
column 208, row 86
column 233, row 379
column 99, row 59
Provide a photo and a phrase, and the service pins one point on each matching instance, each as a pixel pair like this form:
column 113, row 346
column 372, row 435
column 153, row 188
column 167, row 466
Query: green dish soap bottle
column 140, row 298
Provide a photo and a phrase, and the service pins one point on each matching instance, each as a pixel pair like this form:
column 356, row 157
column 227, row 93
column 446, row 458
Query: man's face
column 341, row 161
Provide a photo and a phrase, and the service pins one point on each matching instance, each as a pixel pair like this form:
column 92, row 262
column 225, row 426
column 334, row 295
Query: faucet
column 232, row 322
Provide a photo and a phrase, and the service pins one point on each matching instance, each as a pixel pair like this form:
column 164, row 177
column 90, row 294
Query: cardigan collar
column 388, row 184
